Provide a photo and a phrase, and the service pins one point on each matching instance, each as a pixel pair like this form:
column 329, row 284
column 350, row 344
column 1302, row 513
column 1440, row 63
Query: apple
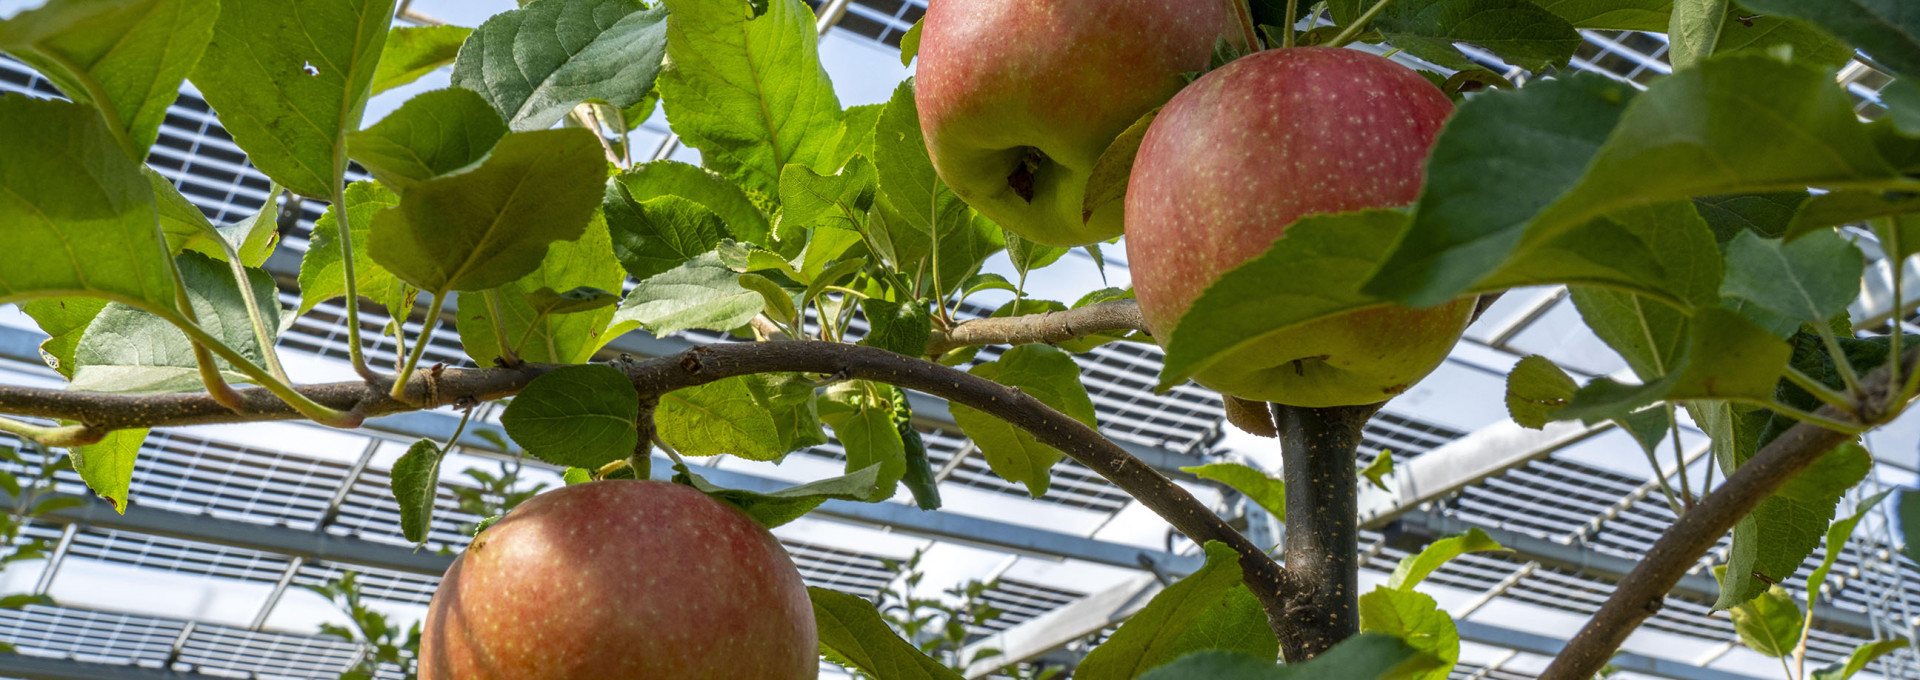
column 1243, row 153
column 621, row 579
column 1018, row 98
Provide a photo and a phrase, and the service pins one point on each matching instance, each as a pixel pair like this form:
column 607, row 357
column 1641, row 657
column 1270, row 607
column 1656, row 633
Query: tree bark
column 1323, row 535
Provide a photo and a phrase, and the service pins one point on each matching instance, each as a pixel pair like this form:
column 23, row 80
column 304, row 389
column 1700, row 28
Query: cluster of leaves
column 388, row 646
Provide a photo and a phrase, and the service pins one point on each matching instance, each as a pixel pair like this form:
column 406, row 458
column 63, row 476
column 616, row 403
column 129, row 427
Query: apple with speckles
column 621, row 579
column 1243, row 153
column 1018, row 98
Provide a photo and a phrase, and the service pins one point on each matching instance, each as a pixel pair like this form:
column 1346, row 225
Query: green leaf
column 786, row 505
column 534, row 64
column 573, row 476
column 779, row 303
column 24, row 600
column 414, row 51
column 851, row 629
column 872, row 440
column 654, row 237
column 1416, row 619
column 1028, row 255
column 180, row 220
column 1726, row 357
column 1107, row 182
column 124, row 58
column 578, row 416
column 1742, row 31
column 107, row 465
column 491, row 225
column 322, row 274
column 1837, row 536
column 64, row 320
column 1770, row 623
column 1368, row 656
column 809, row 199
column 856, row 134
column 435, row 133
column 1808, row 280
column 290, row 78
column 790, row 399
column 1519, row 31
column 910, row 43
column 1777, row 536
column 751, row 95
column 1045, row 373
column 253, row 238
column 719, row 417
column 1377, row 471
column 1535, row 389
column 572, row 328
column 703, row 293
column 1765, row 214
column 1688, row 135
column 1270, row 493
column 128, row 350
column 416, row 483
column 900, row 327
column 907, row 179
column 78, row 215
column 1163, row 630
column 1909, row 509
column 1866, row 653
column 1846, row 207
column 1889, row 30
column 1902, row 99
column 672, row 178
column 1414, row 568
column 920, row 479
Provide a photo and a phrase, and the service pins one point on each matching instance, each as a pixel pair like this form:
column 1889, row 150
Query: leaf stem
column 305, row 406
column 345, row 232
column 52, row 435
column 1348, row 34
column 1847, row 374
column 1825, row 394
column 1679, row 457
column 1890, row 244
column 183, row 316
column 498, row 315
column 1673, row 501
column 260, row 332
column 399, row 391
column 1244, row 14
column 1293, row 9
column 1815, row 418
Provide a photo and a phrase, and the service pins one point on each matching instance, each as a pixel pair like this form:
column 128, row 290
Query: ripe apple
column 1247, row 150
column 1018, row 98
column 621, row 579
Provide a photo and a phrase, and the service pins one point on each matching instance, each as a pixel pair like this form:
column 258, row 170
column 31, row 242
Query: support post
column 1322, row 554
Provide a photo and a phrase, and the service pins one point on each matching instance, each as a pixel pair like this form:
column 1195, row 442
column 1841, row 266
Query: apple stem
column 1322, row 550
column 1293, row 9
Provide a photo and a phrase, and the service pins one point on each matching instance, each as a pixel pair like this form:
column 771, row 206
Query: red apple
column 621, row 579
column 1018, row 98
column 1252, row 147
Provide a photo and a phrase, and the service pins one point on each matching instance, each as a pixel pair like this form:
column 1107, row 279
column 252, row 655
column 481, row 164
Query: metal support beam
column 1462, row 462
column 1542, row 645
column 47, row 668
column 279, row 591
column 55, row 558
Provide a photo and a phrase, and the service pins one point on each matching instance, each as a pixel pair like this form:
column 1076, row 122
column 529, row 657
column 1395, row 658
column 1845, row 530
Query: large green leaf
column 414, row 51
column 653, row 237
column 435, row 133
column 415, row 485
column 534, row 64
column 1778, row 535
column 1862, row 655
column 1165, row 629
column 128, row 350
column 703, row 293
column 1909, row 509
column 1415, row 618
column 1726, row 357
column 851, row 629
column 63, row 319
column 750, row 94
column 78, row 215
column 809, row 199
column 1743, row 29
column 491, row 225
column 107, row 465
column 1808, row 280
column 1519, row 31
column 1837, row 536
column 1688, row 135
column 578, row 416
column 1887, row 30
column 1269, row 492
column 561, row 337
column 1535, row 389
column 872, row 441
column 673, row 178
column 902, row 327
column 1367, row 656
column 1045, row 373
column 290, row 79
column 124, row 58
column 1770, row 623
column 323, row 275
column 786, row 505
column 1765, row 214
column 1414, row 568
column 719, row 417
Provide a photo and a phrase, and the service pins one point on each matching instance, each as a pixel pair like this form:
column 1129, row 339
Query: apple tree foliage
column 1710, row 226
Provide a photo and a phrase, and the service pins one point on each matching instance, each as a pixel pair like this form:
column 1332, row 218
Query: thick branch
column 1642, row 593
column 1323, row 533
column 697, row 366
column 1049, row 327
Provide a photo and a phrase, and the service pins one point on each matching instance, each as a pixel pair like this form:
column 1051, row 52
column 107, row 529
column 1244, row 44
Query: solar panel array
column 1558, row 499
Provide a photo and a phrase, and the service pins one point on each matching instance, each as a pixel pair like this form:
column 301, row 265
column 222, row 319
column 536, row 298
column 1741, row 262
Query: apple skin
column 621, row 579
column 1243, row 153
column 1000, row 78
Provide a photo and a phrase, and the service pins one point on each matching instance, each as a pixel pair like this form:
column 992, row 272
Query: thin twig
column 1049, row 327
